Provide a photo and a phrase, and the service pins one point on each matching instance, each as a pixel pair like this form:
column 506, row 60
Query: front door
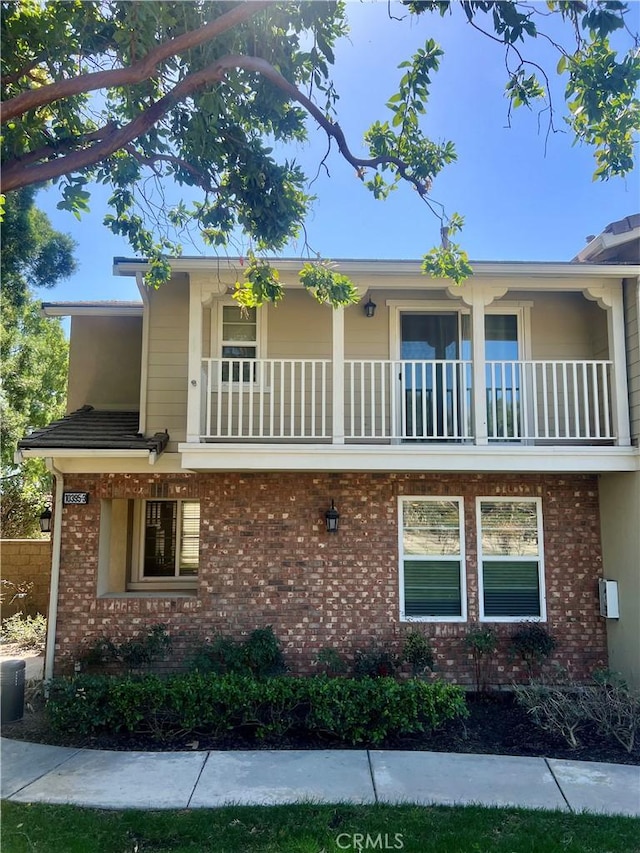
column 429, row 348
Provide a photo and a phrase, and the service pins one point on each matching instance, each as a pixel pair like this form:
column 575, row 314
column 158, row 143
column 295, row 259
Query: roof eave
column 541, row 269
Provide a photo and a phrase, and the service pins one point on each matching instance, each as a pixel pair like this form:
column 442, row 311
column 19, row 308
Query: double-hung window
column 239, row 340
column 432, row 577
column 510, row 559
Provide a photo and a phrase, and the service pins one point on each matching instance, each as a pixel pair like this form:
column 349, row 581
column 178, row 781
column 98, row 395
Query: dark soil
column 496, row 726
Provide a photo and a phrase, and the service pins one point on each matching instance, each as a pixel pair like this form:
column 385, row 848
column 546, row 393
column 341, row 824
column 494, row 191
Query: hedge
column 365, row 710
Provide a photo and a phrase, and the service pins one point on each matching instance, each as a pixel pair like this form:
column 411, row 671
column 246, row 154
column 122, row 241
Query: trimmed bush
column 534, row 644
column 259, row 655
column 136, row 653
column 353, row 711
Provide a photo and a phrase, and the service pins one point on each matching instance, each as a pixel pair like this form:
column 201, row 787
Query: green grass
column 312, row 829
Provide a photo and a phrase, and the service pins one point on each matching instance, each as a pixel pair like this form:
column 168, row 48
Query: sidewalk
column 37, row 773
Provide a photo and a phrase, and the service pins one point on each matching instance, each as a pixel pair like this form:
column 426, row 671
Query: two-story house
column 461, row 439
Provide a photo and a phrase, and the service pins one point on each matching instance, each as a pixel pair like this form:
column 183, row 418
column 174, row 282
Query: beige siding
column 619, row 514
column 168, row 360
column 565, row 326
column 631, row 300
column 104, row 363
column 298, row 327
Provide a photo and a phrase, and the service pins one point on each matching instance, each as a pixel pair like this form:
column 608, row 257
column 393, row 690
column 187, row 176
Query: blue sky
column 519, row 201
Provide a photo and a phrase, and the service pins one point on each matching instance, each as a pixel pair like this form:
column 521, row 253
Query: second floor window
column 239, row 343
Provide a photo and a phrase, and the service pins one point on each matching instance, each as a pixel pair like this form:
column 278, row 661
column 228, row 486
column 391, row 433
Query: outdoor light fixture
column 331, row 517
column 370, row 308
column 45, row 520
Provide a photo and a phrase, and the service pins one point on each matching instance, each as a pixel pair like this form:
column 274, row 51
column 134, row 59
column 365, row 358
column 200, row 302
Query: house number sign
column 74, row 498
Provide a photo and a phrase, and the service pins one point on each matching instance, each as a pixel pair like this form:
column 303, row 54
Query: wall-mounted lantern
column 370, row 308
column 45, row 520
column 332, row 517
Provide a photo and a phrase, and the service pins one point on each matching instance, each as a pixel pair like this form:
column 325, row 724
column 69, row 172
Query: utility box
column 12, row 690
column 609, row 607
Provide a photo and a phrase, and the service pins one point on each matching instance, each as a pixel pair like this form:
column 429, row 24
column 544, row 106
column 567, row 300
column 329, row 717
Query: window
column 148, row 546
column 171, row 539
column 432, row 586
column 510, row 560
column 239, row 342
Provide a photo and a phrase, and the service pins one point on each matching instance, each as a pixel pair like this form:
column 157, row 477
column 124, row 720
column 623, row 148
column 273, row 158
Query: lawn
column 312, row 829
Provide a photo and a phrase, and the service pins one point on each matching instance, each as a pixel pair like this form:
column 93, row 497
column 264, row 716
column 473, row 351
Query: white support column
column 480, row 429
column 478, row 297
column 144, row 358
column 337, row 368
column 609, row 297
column 195, row 362
column 618, row 355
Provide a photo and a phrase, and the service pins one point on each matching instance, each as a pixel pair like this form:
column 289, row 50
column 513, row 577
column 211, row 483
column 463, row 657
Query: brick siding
column 26, row 561
column 266, row 559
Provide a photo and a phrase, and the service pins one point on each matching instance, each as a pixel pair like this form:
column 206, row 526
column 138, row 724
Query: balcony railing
column 549, row 400
column 408, row 400
column 403, row 401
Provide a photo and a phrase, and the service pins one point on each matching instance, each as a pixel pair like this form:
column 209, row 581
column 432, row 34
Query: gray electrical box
column 609, row 607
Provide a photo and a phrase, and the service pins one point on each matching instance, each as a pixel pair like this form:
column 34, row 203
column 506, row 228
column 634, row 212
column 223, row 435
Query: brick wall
column 266, row 559
column 26, row 561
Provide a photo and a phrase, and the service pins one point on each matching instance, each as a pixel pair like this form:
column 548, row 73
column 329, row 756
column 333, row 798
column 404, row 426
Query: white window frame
column 138, row 581
column 541, row 569
column 521, row 308
column 217, row 341
column 462, row 559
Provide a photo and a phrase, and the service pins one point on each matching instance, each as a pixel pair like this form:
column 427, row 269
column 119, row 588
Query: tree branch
column 16, row 175
column 201, row 178
column 135, row 73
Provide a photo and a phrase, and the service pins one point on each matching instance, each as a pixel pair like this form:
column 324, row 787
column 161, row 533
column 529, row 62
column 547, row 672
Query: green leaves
column 451, row 262
column 522, row 90
column 604, row 110
column 328, row 286
column 196, row 118
column 261, row 284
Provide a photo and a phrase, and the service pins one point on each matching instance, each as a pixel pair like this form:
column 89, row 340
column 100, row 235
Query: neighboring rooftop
column 90, row 308
column 619, row 242
column 93, row 429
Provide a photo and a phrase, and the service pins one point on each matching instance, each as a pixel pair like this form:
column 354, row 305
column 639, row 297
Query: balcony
column 406, row 402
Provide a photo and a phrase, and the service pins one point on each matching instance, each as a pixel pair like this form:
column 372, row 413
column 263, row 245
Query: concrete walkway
column 37, row 773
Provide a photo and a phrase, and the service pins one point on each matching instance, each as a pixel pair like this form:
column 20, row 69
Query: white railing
column 408, row 400
column 549, row 400
column 265, row 398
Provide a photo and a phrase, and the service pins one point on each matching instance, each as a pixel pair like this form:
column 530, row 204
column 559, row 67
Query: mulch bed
column 496, row 726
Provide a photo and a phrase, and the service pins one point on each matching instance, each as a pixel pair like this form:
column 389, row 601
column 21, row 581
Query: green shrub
column 136, row 653
column 263, row 653
column 259, row 655
column 375, row 663
column 418, row 652
column 353, row 711
column 482, row 643
column 331, row 662
column 28, row 632
column 534, row 644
